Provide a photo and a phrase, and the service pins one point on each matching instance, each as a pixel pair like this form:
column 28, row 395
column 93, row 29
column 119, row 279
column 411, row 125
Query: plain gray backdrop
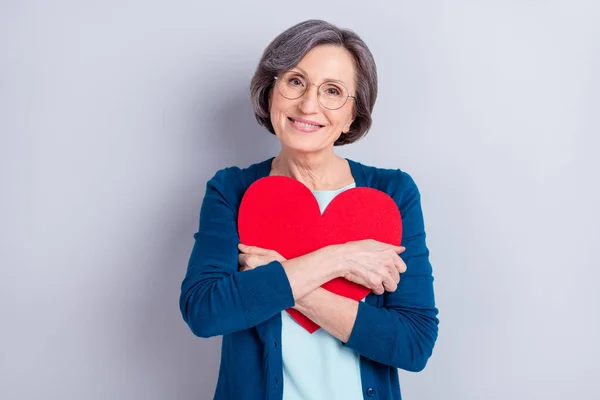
column 114, row 114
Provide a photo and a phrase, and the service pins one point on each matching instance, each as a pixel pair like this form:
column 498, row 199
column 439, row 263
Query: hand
column 375, row 265
column 252, row 257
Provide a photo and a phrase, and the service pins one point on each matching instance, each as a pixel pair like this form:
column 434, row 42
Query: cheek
column 340, row 119
column 277, row 113
column 275, row 106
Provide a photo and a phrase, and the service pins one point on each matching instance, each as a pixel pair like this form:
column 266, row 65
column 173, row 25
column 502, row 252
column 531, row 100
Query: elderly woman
column 314, row 88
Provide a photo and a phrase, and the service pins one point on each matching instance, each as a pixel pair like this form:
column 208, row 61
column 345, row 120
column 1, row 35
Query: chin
column 302, row 142
column 303, row 148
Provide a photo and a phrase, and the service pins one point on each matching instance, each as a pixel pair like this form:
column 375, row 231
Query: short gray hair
column 286, row 51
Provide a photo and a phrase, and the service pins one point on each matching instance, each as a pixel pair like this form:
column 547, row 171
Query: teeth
column 306, row 125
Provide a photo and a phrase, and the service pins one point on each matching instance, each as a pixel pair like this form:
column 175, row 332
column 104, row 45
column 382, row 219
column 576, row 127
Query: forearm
column 402, row 338
column 214, row 302
column 336, row 314
column 308, row 272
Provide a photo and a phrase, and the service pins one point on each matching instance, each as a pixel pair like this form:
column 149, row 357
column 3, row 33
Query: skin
column 307, row 155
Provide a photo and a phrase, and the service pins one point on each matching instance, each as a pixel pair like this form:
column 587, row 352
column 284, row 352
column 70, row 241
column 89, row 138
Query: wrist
column 306, row 303
column 333, row 260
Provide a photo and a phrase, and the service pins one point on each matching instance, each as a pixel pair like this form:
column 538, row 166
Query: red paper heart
column 280, row 213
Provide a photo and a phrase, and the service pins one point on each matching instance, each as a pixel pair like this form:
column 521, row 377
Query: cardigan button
column 276, row 381
column 275, row 344
column 370, row 392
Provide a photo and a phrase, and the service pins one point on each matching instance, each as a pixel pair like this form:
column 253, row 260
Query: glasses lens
column 291, row 85
column 332, row 95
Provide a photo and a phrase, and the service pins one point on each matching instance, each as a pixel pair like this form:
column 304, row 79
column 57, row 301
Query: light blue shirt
column 316, row 366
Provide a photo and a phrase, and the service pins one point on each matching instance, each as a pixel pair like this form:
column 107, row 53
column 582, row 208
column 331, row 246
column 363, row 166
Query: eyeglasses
column 331, row 94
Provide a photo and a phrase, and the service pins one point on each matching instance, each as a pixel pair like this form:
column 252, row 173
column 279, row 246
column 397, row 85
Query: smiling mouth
column 304, row 124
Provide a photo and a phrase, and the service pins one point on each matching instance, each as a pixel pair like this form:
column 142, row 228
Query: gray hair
column 286, row 51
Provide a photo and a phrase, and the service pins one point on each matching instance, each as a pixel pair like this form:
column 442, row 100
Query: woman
column 314, row 88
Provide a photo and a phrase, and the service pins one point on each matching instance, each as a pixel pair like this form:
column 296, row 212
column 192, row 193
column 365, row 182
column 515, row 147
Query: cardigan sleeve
column 217, row 299
column 403, row 332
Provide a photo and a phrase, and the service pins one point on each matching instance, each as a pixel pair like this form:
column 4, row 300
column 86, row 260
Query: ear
column 347, row 126
column 350, row 121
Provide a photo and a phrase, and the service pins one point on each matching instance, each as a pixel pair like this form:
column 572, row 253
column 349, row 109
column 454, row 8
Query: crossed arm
column 217, row 299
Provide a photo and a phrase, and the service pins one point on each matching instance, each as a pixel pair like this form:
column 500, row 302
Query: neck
column 318, row 171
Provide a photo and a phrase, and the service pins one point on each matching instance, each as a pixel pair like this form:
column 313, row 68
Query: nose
column 309, row 102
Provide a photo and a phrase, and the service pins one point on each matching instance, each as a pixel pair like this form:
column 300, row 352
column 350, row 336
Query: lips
column 306, row 121
column 305, row 125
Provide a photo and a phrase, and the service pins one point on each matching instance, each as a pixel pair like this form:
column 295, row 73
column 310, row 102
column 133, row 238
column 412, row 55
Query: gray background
column 114, row 114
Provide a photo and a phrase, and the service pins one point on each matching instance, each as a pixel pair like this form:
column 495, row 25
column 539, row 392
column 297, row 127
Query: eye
column 334, row 91
column 295, row 81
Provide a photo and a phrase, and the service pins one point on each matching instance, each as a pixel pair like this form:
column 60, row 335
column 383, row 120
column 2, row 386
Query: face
column 303, row 125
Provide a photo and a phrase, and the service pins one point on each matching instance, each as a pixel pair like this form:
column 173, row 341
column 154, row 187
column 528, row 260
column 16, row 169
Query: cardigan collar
column 358, row 173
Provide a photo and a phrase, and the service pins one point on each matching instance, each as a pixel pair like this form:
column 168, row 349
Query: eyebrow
column 325, row 80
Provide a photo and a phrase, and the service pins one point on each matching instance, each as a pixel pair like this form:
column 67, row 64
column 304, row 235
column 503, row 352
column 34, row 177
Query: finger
column 399, row 249
column 250, row 249
column 259, row 261
column 400, row 265
column 390, row 287
column 379, row 290
column 255, row 261
column 256, row 250
column 242, row 262
column 271, row 255
column 264, row 258
column 247, row 261
column 389, row 284
column 244, row 268
column 394, row 273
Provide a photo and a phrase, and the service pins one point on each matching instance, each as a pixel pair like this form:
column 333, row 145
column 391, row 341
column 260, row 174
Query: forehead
column 328, row 62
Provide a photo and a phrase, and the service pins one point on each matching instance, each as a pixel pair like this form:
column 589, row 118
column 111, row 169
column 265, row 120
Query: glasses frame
column 309, row 84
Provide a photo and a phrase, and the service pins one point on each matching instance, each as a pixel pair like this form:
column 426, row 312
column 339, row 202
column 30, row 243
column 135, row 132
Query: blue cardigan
column 393, row 330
